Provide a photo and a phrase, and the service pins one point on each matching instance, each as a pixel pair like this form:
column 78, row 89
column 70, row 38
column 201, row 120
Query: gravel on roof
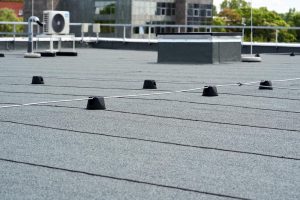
column 243, row 144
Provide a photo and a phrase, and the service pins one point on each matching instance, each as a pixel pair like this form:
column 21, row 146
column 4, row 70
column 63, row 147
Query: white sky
column 280, row 6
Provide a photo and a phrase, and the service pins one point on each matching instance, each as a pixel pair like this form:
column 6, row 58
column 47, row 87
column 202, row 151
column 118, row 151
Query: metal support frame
column 59, row 39
column 124, row 33
column 125, row 27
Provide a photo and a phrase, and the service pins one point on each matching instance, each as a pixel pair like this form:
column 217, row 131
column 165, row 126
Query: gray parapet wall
column 199, row 48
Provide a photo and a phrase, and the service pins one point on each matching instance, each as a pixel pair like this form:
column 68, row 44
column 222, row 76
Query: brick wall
column 16, row 6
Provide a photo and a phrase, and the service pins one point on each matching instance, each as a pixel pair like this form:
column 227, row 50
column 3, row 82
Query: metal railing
column 126, row 31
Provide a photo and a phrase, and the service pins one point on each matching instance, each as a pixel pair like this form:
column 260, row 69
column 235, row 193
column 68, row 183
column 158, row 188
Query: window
column 173, row 12
column 202, row 10
column 196, row 12
column 208, row 13
column 203, row 13
column 105, row 7
column 166, row 9
column 199, row 14
column 20, row 13
column 168, row 12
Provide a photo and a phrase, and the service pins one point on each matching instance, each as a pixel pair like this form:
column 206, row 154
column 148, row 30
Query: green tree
column 296, row 23
column 264, row 17
column 234, row 4
column 293, row 19
column 231, row 15
column 9, row 15
column 288, row 17
column 219, row 21
column 214, row 11
column 235, row 10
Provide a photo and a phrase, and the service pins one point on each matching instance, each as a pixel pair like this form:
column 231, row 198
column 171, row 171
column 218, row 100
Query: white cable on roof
column 43, row 102
column 108, row 97
column 139, row 95
column 285, row 88
column 150, row 94
column 284, row 80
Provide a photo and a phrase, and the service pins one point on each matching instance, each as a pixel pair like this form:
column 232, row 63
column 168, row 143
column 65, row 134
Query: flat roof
column 242, row 144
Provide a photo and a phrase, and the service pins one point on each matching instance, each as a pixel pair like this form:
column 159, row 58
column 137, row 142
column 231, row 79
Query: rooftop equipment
column 30, row 53
column 56, row 22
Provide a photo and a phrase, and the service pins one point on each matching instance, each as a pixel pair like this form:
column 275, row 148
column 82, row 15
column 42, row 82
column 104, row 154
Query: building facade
column 38, row 7
column 80, row 11
column 16, row 6
column 153, row 12
column 138, row 13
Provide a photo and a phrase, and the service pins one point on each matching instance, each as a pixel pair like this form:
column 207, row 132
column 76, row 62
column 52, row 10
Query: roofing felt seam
column 82, row 87
column 41, row 103
column 258, row 96
column 138, row 95
column 283, row 88
column 64, row 94
column 125, row 80
column 216, row 171
column 121, row 179
column 179, row 101
column 216, row 104
column 153, row 141
column 102, row 80
column 165, row 117
column 145, row 94
column 205, row 121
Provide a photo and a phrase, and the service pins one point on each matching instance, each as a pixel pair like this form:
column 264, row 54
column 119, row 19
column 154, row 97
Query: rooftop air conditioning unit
column 56, row 22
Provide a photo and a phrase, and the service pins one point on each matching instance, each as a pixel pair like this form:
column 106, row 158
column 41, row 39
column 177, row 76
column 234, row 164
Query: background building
column 80, row 10
column 156, row 12
column 138, row 12
column 135, row 12
column 17, row 6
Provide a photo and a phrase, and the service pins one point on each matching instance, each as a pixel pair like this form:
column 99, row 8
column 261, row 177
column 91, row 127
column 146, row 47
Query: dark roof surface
column 243, row 144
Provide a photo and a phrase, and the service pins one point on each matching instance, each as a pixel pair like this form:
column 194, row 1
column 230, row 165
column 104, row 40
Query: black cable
column 40, row 23
column 121, row 179
column 148, row 140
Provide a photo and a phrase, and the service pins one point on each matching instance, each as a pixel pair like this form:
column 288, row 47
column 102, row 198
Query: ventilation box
column 202, row 48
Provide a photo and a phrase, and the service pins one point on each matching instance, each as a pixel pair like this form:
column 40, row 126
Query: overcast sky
column 280, row 6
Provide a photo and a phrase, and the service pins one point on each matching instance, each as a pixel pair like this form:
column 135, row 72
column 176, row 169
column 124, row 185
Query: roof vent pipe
column 30, row 53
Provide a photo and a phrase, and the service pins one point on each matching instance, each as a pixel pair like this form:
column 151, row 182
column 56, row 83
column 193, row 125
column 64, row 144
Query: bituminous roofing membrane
column 241, row 144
